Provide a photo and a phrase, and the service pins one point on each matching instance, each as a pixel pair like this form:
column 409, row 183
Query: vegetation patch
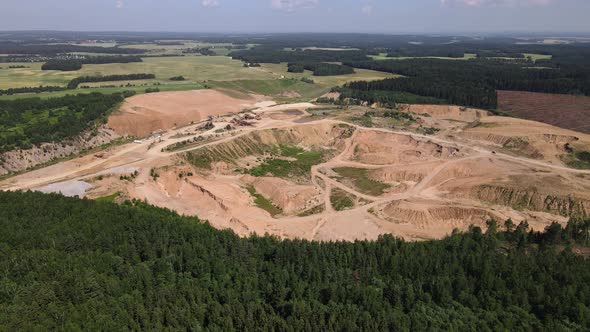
column 364, row 120
column 577, row 159
column 296, row 162
column 28, row 122
column 109, row 198
column 341, row 200
column 313, row 211
column 361, row 180
column 428, row 130
column 521, row 145
column 263, row 202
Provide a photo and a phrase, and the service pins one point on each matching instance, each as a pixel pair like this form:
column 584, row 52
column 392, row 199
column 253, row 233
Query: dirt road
column 355, row 223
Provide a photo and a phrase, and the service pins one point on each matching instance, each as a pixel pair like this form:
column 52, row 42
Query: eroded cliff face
column 20, row 160
column 379, row 148
column 519, row 198
column 429, row 214
column 262, row 142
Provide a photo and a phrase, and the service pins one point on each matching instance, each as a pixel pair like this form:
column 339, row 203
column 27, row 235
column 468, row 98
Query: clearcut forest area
column 289, row 182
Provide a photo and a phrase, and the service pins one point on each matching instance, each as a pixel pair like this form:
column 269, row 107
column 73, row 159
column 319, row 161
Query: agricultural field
column 536, row 57
column 193, row 68
column 565, row 111
column 291, row 86
column 199, row 71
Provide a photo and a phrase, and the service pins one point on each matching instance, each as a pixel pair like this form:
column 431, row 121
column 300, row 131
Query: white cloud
column 291, row 5
column 209, row 3
column 476, row 3
column 367, row 10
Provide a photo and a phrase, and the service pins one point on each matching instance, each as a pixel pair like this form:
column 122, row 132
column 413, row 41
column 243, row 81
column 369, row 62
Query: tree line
column 470, row 83
column 8, row 47
column 422, row 91
column 262, row 54
column 200, row 50
column 123, row 77
column 457, row 50
column 35, row 89
column 320, row 69
column 83, row 265
column 74, row 83
column 32, row 121
column 76, row 64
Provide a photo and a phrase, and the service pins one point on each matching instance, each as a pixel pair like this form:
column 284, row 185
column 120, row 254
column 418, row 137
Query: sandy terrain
column 448, row 112
column 435, row 184
column 526, row 138
column 20, row 160
column 145, row 114
column 68, row 188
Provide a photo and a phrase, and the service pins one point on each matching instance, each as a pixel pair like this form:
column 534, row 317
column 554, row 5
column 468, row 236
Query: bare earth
column 143, row 115
column 480, row 167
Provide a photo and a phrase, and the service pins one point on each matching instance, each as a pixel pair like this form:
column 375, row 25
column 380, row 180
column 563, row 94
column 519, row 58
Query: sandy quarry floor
column 143, row 115
column 461, row 176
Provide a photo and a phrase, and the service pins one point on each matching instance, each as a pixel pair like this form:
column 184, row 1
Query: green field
column 217, row 71
column 381, row 56
column 194, row 68
column 286, row 86
column 536, row 57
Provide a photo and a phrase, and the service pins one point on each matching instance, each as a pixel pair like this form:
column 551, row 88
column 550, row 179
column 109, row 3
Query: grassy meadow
column 284, row 86
column 199, row 71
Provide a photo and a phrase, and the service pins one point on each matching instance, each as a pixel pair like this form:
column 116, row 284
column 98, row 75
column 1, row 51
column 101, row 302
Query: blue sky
column 386, row 16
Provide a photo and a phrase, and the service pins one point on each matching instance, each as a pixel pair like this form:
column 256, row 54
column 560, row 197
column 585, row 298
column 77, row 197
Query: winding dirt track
column 151, row 152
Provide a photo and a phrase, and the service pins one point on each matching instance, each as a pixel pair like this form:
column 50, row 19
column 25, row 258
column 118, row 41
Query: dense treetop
column 83, row 265
column 470, row 83
column 9, row 47
column 107, row 78
column 32, row 121
column 68, row 64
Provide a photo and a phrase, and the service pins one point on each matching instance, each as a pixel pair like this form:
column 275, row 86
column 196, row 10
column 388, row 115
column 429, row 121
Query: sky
column 379, row 16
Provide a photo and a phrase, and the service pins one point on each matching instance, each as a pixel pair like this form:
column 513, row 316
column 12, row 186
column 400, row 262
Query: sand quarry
column 143, row 115
column 342, row 181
